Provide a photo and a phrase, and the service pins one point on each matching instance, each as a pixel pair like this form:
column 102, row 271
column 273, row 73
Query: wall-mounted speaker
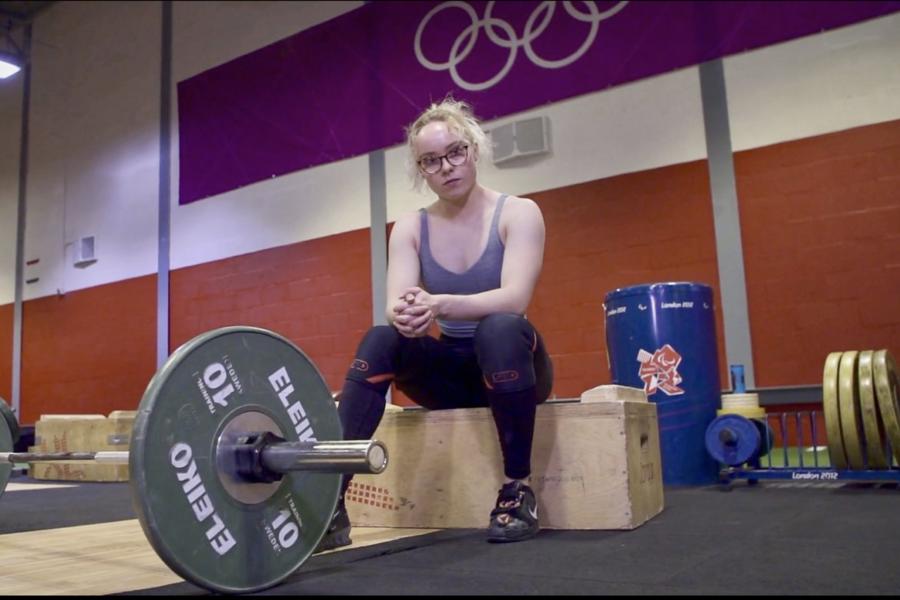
column 526, row 137
column 85, row 252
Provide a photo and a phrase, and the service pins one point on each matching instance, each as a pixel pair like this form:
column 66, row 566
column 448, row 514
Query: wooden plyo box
column 595, row 465
column 82, row 433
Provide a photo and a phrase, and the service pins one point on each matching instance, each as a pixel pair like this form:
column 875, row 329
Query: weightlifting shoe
column 515, row 517
column 338, row 532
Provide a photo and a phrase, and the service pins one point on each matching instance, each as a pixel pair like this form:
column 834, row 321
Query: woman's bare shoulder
column 406, row 227
column 520, row 207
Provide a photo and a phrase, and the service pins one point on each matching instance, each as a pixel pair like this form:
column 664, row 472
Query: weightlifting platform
column 793, row 538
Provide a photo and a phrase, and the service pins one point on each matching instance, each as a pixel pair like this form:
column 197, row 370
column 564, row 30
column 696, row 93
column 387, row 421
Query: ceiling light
column 9, row 65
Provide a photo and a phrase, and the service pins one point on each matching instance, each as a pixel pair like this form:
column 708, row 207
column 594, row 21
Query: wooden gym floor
column 102, row 558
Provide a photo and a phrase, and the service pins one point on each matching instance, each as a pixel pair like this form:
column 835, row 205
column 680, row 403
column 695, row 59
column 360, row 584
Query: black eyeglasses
column 456, row 156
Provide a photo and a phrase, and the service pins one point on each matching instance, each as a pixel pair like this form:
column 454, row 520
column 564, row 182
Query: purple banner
column 348, row 86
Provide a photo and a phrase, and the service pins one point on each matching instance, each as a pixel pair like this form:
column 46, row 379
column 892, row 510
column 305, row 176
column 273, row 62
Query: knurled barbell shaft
column 338, row 456
column 112, row 457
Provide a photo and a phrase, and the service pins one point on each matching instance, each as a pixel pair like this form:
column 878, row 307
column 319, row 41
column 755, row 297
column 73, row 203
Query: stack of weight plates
column 862, row 416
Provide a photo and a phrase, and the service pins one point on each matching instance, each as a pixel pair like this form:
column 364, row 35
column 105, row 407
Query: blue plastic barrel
column 662, row 337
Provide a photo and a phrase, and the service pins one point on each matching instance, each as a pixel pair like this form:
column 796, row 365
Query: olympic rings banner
column 348, row 86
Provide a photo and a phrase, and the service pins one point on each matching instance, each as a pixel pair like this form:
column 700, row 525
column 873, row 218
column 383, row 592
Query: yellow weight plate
column 732, row 400
column 848, row 400
column 874, row 430
column 884, row 370
column 832, row 412
column 751, row 412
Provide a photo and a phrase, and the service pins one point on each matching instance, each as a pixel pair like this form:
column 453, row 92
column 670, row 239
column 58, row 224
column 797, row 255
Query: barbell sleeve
column 350, row 456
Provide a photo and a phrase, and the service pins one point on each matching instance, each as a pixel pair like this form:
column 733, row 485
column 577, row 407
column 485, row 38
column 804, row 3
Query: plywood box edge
column 613, row 393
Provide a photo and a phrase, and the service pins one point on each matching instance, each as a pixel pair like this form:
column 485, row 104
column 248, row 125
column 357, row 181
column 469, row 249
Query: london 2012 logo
column 659, row 371
column 465, row 41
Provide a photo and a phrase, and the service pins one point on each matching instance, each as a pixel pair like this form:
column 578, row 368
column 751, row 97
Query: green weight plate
column 885, row 378
column 831, row 411
column 6, row 445
column 848, row 400
column 876, row 458
column 213, row 530
column 11, row 420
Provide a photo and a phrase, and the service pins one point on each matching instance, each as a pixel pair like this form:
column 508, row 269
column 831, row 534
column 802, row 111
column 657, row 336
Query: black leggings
column 504, row 366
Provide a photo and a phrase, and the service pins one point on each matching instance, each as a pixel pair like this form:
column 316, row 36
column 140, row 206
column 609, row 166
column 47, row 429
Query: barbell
column 235, row 459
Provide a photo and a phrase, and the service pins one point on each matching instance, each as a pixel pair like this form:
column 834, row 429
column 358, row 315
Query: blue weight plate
column 209, row 527
column 732, row 439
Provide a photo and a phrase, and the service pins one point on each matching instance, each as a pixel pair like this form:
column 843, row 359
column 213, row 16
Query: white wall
column 844, row 78
column 309, row 204
column 94, row 133
column 10, row 127
column 206, row 34
column 94, row 151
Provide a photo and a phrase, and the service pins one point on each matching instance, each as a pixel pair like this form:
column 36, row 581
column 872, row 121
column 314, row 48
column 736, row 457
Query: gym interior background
column 627, row 187
column 625, row 193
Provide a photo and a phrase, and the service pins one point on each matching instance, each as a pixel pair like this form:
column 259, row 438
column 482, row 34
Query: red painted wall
column 316, row 293
column 646, row 227
column 89, row 352
column 820, row 221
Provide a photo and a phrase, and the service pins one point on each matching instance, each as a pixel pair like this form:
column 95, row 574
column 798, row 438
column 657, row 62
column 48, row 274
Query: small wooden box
column 595, row 465
column 68, row 433
column 82, row 433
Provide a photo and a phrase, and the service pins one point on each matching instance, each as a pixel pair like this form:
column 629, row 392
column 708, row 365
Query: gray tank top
column 482, row 276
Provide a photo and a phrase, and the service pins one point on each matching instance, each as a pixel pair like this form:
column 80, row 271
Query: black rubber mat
column 768, row 539
column 49, row 508
column 761, row 540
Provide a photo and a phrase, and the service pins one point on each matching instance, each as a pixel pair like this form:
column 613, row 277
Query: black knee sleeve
column 375, row 360
column 505, row 345
column 368, row 379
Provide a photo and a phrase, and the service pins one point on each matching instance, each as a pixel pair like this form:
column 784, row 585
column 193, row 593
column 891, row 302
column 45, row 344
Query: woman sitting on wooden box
column 469, row 262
